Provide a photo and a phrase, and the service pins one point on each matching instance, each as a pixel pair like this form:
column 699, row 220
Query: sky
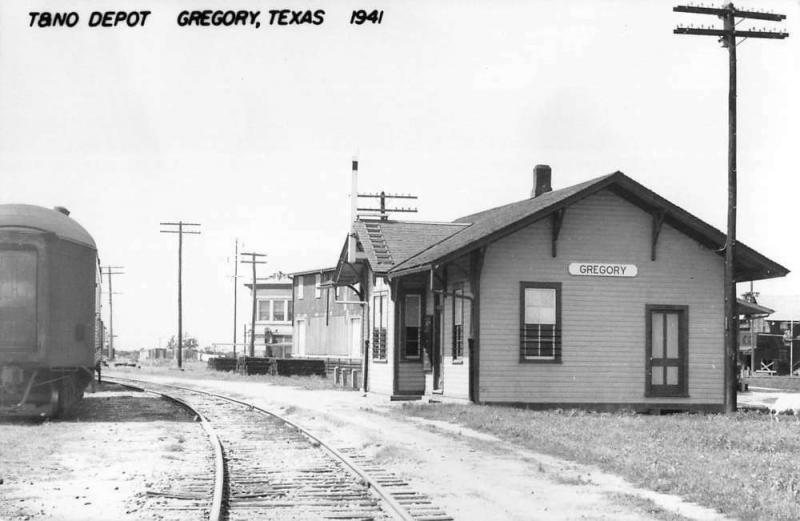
column 251, row 131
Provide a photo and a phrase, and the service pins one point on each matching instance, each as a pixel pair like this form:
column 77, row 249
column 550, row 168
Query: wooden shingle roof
column 485, row 227
column 387, row 243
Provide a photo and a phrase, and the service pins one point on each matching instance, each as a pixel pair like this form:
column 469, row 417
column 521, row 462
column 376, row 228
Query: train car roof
column 46, row 220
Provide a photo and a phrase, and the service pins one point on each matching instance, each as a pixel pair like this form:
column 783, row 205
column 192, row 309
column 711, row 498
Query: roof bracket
column 356, row 291
column 557, row 218
column 658, row 221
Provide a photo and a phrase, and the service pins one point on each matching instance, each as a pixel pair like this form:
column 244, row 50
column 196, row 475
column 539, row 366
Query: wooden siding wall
column 310, row 305
column 331, row 339
column 455, row 376
column 281, row 292
column 603, row 318
column 325, row 336
column 381, row 374
column 410, row 373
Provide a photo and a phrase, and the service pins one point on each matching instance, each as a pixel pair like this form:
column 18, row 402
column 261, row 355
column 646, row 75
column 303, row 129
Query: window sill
column 460, row 361
column 379, row 361
column 666, row 395
column 540, row 361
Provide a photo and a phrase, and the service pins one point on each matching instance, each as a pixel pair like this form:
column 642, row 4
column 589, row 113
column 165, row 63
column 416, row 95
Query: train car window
column 18, row 300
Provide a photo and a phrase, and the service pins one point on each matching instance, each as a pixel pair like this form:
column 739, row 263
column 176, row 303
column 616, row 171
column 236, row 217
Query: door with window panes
column 667, row 346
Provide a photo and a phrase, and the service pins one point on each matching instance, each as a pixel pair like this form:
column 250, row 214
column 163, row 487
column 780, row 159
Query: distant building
column 776, row 335
column 328, row 320
column 274, row 316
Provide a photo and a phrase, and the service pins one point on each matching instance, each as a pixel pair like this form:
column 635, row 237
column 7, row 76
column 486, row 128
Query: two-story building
column 274, row 316
column 328, row 320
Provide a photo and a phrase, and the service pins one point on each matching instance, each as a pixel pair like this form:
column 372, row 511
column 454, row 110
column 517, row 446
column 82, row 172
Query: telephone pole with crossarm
column 727, row 36
column 182, row 229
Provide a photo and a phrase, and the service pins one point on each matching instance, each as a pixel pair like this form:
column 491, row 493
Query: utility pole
column 383, row 212
column 109, row 270
column 727, row 36
column 235, row 288
column 180, row 231
column 253, row 262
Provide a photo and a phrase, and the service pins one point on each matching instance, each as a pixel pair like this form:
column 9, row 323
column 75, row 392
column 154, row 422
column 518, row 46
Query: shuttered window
column 540, row 322
column 380, row 324
column 458, row 323
column 412, row 332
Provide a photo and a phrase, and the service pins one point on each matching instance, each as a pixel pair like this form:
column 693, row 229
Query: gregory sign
column 602, row 269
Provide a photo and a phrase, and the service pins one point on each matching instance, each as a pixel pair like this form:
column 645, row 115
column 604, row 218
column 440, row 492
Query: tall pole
column 180, row 294
column 253, row 261
column 253, row 317
column 729, row 283
column 728, row 35
column 110, row 318
column 180, row 231
column 109, row 271
column 791, row 348
column 235, row 288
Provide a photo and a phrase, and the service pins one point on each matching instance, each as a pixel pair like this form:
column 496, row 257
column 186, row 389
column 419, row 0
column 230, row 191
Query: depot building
column 601, row 295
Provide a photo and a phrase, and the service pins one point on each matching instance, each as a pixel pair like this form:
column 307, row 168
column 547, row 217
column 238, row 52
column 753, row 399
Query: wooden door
column 438, row 333
column 301, row 337
column 356, row 349
column 666, row 368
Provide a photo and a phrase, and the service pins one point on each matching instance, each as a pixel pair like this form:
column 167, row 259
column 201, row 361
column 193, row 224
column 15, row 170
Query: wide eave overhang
column 749, row 264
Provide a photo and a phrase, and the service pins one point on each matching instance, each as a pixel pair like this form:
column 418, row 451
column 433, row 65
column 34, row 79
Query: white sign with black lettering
column 602, row 269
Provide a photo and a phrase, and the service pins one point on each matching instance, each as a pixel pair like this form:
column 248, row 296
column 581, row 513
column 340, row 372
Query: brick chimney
column 541, row 180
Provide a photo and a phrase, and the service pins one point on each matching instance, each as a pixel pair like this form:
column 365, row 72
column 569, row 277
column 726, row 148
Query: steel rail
column 215, row 513
column 397, row 509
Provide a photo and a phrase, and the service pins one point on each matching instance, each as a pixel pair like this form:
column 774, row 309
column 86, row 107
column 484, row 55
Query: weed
column 742, row 464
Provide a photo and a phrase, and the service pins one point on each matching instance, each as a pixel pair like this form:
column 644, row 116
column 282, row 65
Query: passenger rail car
column 48, row 310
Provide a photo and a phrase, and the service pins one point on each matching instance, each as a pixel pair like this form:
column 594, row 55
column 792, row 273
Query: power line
column 382, row 210
column 181, row 232
column 727, row 36
column 109, row 271
column 253, row 262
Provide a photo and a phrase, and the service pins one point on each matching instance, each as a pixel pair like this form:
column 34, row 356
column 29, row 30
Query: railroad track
column 267, row 467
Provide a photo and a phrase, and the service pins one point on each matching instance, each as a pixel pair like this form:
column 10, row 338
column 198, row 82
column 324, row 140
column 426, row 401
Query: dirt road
column 471, row 475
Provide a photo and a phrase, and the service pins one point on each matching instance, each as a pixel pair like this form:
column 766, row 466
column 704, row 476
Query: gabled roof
column 388, row 243
column 744, row 307
column 787, row 307
column 311, row 272
column 490, row 225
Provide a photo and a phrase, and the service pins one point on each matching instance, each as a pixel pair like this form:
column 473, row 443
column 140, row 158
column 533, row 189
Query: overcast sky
column 251, row 131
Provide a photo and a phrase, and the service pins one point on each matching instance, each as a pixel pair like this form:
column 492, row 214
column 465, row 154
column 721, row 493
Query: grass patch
column 743, row 465
column 200, row 371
